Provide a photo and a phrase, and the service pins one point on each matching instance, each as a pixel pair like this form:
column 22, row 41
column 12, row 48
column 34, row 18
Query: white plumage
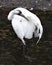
column 25, row 23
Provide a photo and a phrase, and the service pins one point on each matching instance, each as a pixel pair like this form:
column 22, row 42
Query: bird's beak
column 24, row 17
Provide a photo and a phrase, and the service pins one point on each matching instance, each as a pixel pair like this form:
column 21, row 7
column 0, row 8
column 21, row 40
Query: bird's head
column 12, row 13
column 17, row 11
column 21, row 12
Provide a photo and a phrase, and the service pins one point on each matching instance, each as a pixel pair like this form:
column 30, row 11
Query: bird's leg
column 24, row 45
column 23, row 41
column 24, row 50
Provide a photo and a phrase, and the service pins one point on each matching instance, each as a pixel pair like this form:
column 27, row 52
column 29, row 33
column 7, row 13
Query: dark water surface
column 11, row 48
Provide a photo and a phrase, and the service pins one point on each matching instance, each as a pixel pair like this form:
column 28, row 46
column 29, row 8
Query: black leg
column 24, row 46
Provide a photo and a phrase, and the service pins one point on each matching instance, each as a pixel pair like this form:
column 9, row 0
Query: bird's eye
column 19, row 12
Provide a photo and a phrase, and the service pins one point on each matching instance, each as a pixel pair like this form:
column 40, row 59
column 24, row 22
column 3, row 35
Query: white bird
column 25, row 24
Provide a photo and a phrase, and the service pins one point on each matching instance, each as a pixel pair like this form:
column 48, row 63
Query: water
column 11, row 48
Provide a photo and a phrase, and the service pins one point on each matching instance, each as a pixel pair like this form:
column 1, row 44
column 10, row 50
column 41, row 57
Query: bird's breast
column 25, row 27
column 19, row 23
